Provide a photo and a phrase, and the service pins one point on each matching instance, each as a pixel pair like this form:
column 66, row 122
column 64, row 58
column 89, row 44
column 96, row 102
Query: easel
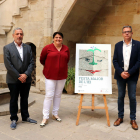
column 93, row 107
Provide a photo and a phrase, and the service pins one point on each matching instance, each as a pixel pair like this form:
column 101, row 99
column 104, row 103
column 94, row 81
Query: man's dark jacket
column 15, row 65
column 134, row 62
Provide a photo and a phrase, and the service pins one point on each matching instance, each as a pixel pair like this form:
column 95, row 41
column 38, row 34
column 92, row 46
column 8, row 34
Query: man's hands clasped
column 22, row 78
column 125, row 75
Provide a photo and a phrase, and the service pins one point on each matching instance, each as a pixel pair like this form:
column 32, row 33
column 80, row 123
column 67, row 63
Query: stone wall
column 38, row 19
column 61, row 9
column 106, row 27
column 81, row 14
column 2, row 43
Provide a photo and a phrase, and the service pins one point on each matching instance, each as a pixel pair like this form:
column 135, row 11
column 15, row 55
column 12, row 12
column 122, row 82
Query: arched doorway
column 33, row 75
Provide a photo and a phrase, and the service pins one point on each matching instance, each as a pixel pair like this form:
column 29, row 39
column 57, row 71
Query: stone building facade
column 38, row 19
column 81, row 21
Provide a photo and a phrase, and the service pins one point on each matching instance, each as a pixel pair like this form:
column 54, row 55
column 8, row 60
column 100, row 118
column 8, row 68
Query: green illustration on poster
column 92, row 50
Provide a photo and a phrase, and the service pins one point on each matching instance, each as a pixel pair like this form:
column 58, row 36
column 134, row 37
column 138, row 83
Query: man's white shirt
column 20, row 50
column 126, row 54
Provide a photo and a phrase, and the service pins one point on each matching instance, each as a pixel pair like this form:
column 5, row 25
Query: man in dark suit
column 126, row 62
column 19, row 64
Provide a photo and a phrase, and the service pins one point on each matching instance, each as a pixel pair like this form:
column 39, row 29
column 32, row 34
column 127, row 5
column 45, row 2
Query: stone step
column 5, row 97
column 2, row 67
column 2, row 75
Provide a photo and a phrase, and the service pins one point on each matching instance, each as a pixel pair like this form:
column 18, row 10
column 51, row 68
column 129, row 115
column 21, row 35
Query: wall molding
column 1, row 1
column 4, row 29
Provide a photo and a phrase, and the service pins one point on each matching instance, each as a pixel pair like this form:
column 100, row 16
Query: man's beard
column 19, row 41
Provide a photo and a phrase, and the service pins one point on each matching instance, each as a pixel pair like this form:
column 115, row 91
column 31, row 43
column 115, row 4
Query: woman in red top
column 54, row 57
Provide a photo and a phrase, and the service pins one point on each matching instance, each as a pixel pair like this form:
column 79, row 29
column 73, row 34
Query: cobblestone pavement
column 92, row 124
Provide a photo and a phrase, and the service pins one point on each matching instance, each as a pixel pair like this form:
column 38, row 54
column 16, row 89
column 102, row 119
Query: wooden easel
column 92, row 108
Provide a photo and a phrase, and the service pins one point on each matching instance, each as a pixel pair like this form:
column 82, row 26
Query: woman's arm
column 43, row 55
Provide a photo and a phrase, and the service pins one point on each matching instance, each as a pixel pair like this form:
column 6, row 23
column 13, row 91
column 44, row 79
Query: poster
column 93, row 69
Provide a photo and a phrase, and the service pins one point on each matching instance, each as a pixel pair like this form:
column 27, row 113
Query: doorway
column 33, row 75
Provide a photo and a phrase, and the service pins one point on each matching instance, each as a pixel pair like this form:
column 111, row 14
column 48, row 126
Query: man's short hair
column 17, row 29
column 127, row 27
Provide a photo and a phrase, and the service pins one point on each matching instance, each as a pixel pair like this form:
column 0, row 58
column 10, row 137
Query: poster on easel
column 93, row 69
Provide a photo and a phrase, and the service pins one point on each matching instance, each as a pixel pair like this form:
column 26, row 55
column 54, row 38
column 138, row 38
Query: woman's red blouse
column 55, row 62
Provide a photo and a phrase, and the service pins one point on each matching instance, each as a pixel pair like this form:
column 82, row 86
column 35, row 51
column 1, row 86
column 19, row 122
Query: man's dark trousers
column 131, row 85
column 16, row 89
column 133, row 70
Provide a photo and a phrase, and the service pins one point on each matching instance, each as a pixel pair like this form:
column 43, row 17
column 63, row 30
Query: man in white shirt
column 126, row 62
column 19, row 64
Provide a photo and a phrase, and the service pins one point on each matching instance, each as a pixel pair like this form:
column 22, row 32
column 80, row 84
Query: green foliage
column 71, row 76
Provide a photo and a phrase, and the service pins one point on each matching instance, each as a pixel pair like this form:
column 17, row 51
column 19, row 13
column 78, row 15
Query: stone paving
column 92, row 124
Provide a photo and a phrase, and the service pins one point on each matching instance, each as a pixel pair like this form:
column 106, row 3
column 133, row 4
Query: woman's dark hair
column 55, row 33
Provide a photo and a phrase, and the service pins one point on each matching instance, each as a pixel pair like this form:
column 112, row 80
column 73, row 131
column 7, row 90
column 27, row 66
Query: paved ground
column 92, row 124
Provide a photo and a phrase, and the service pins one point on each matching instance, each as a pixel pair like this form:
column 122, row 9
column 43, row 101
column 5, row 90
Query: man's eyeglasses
column 127, row 32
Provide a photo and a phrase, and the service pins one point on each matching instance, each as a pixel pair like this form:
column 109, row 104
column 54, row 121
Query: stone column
column 48, row 32
column 48, row 21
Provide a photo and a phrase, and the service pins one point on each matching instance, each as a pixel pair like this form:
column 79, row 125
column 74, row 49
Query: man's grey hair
column 17, row 29
column 127, row 27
